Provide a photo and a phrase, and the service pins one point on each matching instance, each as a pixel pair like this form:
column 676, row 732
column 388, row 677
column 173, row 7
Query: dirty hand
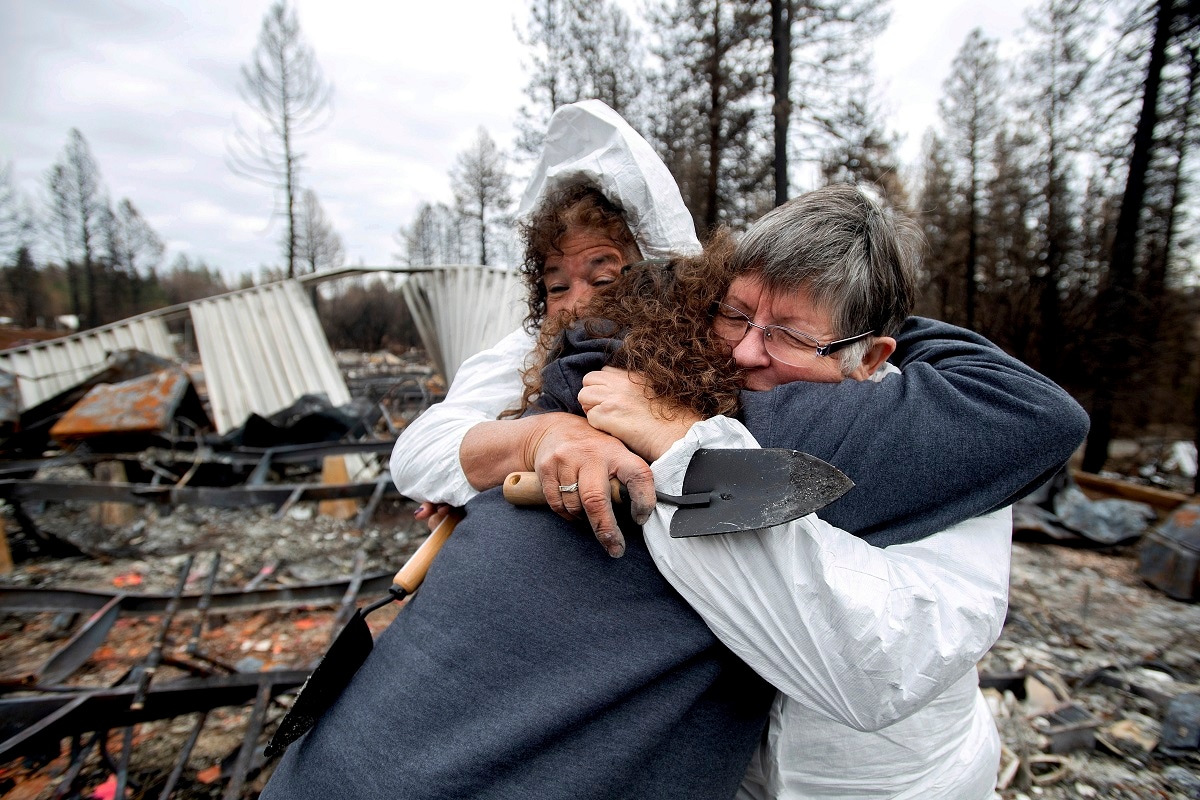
column 571, row 453
column 435, row 513
column 616, row 402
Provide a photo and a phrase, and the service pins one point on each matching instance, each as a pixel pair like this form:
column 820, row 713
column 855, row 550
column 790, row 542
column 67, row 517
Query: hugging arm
column 458, row 448
column 966, row 429
column 864, row 634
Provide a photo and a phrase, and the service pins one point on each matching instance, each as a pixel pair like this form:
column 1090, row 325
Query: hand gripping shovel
column 352, row 646
column 729, row 490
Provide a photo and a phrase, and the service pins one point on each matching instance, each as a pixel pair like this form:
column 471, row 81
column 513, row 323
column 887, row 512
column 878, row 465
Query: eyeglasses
column 783, row 344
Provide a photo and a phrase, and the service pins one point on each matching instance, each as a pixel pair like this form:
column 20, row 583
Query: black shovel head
column 326, row 683
column 752, row 488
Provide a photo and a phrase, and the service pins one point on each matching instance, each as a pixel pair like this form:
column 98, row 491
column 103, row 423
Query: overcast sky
column 153, row 88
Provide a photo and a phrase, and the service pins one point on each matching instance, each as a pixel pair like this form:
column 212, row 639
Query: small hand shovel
column 729, row 490
column 352, row 646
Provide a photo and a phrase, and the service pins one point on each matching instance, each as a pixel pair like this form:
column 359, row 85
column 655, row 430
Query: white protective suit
column 873, row 649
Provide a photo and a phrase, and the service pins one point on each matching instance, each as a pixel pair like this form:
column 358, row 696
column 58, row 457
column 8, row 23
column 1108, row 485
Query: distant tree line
column 1057, row 191
column 104, row 262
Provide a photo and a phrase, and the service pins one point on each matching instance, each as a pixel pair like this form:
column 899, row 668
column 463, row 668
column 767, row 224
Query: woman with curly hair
column 654, row 319
column 504, row 677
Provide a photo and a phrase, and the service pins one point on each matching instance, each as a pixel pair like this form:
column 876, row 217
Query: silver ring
column 570, row 487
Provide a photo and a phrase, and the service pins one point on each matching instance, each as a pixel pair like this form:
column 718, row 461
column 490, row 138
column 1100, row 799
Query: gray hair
column 853, row 256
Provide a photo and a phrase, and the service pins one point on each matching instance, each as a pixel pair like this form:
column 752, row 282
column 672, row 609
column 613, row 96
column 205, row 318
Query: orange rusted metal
column 140, row 405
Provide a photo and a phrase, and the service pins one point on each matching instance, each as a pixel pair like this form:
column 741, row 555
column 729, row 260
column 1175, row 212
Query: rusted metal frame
column 43, row 720
column 286, row 506
column 368, row 511
column 387, row 420
column 153, row 457
column 192, row 650
column 143, row 674
column 17, row 467
column 202, row 607
column 184, row 754
column 351, row 596
column 321, row 593
column 266, row 572
column 106, row 756
column 79, row 754
column 245, row 757
column 299, row 453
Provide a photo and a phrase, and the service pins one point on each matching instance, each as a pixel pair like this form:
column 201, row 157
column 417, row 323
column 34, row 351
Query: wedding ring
column 570, row 487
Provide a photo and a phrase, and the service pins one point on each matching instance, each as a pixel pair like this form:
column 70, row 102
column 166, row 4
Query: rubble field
column 1078, row 681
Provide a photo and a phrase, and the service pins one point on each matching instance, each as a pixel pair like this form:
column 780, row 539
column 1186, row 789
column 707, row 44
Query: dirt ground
column 1074, row 611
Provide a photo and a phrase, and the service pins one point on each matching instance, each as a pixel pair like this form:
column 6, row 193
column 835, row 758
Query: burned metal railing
column 39, row 711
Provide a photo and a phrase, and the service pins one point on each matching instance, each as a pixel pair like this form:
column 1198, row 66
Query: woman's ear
column 881, row 348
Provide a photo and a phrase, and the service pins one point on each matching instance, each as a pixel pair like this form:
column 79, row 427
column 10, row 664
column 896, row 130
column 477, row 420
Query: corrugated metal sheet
column 462, row 310
column 47, row 368
column 262, row 348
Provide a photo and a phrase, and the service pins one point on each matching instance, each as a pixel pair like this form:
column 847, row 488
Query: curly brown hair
column 664, row 310
column 576, row 205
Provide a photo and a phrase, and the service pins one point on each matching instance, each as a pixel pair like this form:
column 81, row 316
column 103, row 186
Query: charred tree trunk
column 1118, row 303
column 781, row 67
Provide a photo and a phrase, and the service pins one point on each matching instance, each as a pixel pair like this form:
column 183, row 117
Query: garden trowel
column 729, row 490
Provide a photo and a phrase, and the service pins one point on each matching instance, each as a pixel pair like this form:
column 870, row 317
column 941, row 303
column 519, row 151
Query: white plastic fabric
column 589, row 141
column 873, row 649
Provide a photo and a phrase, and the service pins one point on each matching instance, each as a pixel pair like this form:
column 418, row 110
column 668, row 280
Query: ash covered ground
column 1076, row 611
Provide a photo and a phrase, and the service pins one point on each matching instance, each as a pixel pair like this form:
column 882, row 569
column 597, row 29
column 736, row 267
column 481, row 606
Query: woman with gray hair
column 870, row 632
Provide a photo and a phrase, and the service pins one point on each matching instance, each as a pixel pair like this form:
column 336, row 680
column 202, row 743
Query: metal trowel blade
column 755, row 488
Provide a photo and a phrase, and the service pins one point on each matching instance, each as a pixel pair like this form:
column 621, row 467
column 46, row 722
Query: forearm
column 862, row 635
column 491, row 450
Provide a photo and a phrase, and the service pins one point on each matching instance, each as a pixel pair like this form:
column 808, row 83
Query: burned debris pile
column 208, row 571
column 1095, row 681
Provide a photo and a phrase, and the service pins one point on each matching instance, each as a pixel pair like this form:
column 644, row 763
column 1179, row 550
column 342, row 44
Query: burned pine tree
column 285, row 87
column 76, row 202
column 970, row 111
column 578, row 50
column 710, row 131
column 1123, row 308
column 480, row 181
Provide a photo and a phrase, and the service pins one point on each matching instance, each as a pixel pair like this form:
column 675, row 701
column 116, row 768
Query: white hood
column 589, row 141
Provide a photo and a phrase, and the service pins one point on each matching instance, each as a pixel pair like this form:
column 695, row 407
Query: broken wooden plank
column 1099, row 486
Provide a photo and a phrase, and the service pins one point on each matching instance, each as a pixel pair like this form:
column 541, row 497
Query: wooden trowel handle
column 525, row 489
column 413, row 572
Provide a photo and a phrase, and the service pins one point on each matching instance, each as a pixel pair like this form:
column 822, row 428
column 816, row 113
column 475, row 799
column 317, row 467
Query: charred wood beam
column 276, row 495
column 30, row 724
column 247, row 457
